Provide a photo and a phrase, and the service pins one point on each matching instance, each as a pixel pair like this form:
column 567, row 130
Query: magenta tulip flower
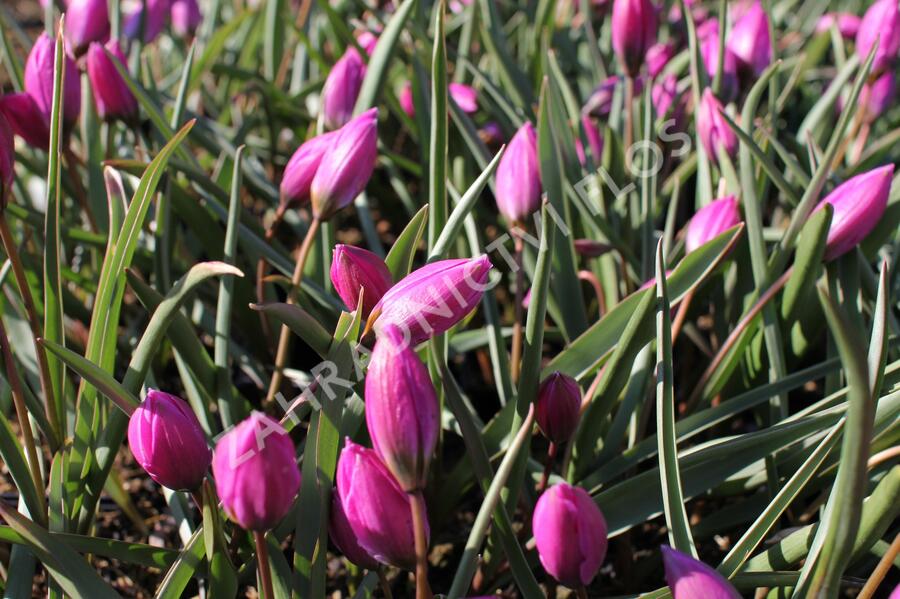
column 895, row 594
column 881, row 24
column 367, row 41
column 377, row 509
column 711, row 221
column 689, row 578
column 302, row 167
column 715, row 134
column 633, row 32
column 594, row 139
column 167, row 441
column 879, row 96
column 112, row 95
column 859, row 204
column 588, row 248
column 186, row 17
column 665, row 98
column 599, row 104
column 39, row 82
column 346, row 166
column 709, row 49
column 749, row 39
column 354, row 269
column 87, row 21
column 558, row 407
column 847, row 23
column 406, row 100
column 518, row 190
column 433, row 298
column 570, row 533
column 342, row 88
column 7, row 161
column 465, row 96
column 345, row 539
column 256, row 473
column 402, row 410
column 658, row 56
column 152, row 22
column 26, row 119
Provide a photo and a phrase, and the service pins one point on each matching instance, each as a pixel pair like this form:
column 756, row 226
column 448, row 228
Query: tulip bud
column 406, row 100
column 344, row 538
column 111, row 94
column 558, row 407
column 401, row 409
column 342, row 88
column 186, row 17
column 633, row 32
column 465, row 96
column 367, row 41
column 709, row 49
column 847, row 23
column 518, row 189
column 715, row 134
column 749, row 39
column 658, row 56
column 377, row 509
column 599, row 104
column 346, row 165
column 25, row 118
column 589, row 248
column 859, row 204
column 167, row 441
column 152, row 21
column 665, row 95
column 256, row 473
column 354, row 269
column 430, row 300
column 7, row 161
column 302, row 167
column 570, row 533
column 689, row 578
column 878, row 96
column 594, row 139
column 880, row 24
column 39, row 81
column 710, row 221
column 87, row 21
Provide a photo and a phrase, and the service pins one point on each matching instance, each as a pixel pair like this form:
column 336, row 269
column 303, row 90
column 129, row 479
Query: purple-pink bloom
column 880, row 24
column 153, row 21
column 658, row 56
column 878, row 96
column 342, row 88
column 711, row 221
column 302, row 167
column 377, row 509
column 87, row 21
column 895, row 594
column 465, row 96
column 166, row 439
column 588, row 248
column 599, row 104
column 112, row 95
column 714, row 132
column 709, row 50
column 39, row 82
column 406, row 100
column 749, row 39
column 557, row 409
column 689, row 578
column 859, row 204
column 186, row 17
column 26, row 119
column 518, row 189
column 665, row 95
column 633, row 32
column 256, row 472
column 346, row 166
column 570, row 533
column 491, row 133
column 847, row 23
column 344, row 538
column 354, row 269
column 430, row 300
column 402, row 411
column 594, row 139
column 367, row 41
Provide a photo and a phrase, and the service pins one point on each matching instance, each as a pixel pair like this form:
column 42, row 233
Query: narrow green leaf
column 399, row 260
column 301, row 323
column 807, row 264
column 437, row 150
column 380, row 61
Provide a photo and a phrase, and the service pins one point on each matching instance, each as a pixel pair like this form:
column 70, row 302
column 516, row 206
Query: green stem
column 417, row 508
column 262, row 562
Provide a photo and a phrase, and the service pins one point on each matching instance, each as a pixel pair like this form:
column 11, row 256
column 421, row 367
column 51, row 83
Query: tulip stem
column 261, row 268
column 417, row 507
column 581, row 593
column 262, row 562
column 515, row 357
column 284, row 340
column 629, row 120
column 681, row 315
column 385, row 584
column 548, row 467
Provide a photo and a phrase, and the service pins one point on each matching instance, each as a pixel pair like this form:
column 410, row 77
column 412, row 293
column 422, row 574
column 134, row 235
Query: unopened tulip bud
column 558, row 407
column 7, row 161
column 406, row 100
column 590, row 248
column 465, row 96
column 87, row 21
column 377, row 509
column 665, row 97
column 599, row 104
column 847, row 23
column 859, row 203
column 714, row 132
column 594, row 139
column 880, row 24
column 878, row 96
column 689, row 578
column 186, row 17
column 302, row 167
column 39, row 81
column 633, row 32
column 709, row 49
column 112, row 95
column 256, row 473
column 570, row 534
column 354, row 269
column 430, row 300
column 346, row 166
column 749, row 39
column 167, row 441
column 26, row 119
column 345, row 539
column 367, row 41
column 658, row 56
column 151, row 22
column 342, row 88
column 402, row 410
column 711, row 221
column 518, row 189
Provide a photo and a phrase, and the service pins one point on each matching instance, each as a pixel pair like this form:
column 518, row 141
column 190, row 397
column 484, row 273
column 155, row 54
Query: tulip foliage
column 468, row 298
